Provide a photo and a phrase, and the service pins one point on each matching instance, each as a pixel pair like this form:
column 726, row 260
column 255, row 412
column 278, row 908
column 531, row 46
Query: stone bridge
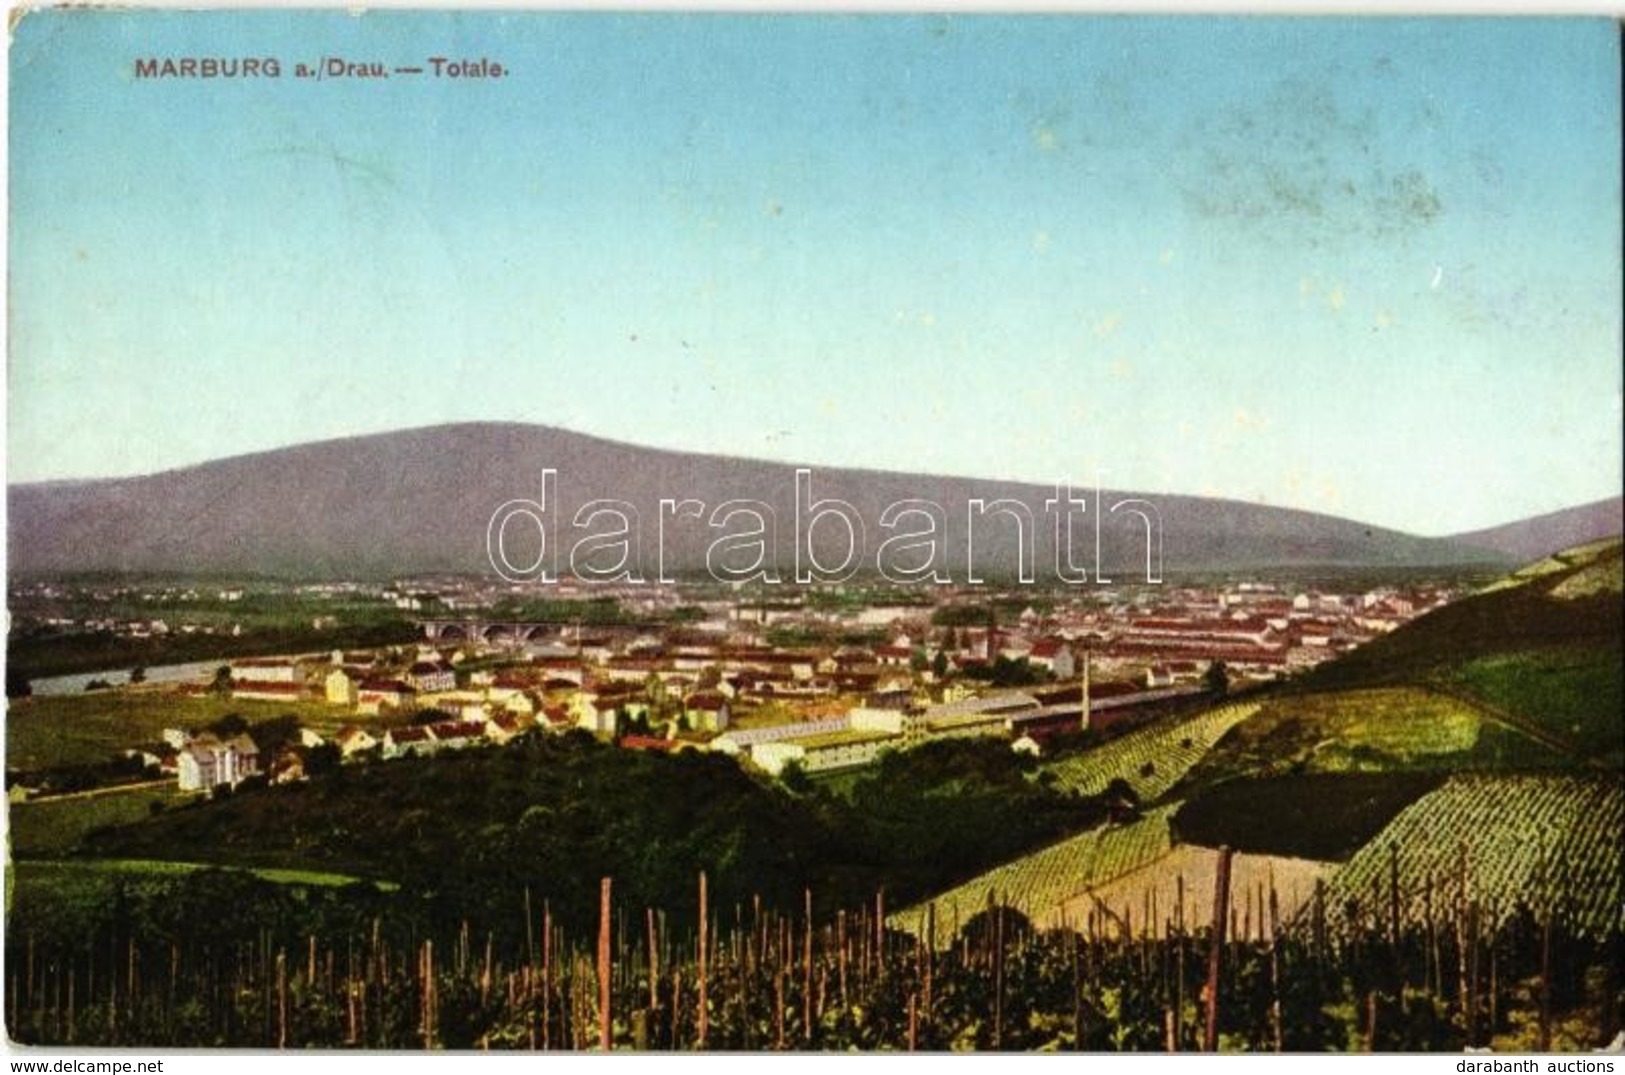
column 514, row 632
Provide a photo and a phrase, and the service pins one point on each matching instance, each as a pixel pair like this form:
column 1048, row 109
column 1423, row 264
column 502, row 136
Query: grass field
column 98, row 871
column 1176, row 892
column 1377, row 730
column 55, row 826
column 85, row 729
column 1038, row 883
column 64, row 893
column 1574, row 694
column 1551, row 842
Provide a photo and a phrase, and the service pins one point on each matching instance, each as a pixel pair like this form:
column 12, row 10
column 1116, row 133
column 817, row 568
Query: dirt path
column 96, row 793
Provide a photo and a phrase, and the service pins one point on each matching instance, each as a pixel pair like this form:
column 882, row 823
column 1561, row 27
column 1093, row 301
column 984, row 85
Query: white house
column 353, row 740
column 709, row 710
column 209, row 762
column 416, row 739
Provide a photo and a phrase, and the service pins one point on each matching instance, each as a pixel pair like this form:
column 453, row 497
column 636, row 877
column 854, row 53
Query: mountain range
column 422, row 500
column 1531, row 539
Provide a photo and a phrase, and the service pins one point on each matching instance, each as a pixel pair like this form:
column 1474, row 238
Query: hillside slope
column 421, row 500
column 1514, row 692
column 1529, row 539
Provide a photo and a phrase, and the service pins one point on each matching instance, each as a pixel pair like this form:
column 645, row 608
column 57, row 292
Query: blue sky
column 1363, row 267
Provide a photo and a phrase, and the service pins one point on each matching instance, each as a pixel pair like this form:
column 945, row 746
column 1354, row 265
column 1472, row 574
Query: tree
column 138, row 674
column 322, row 759
column 229, row 725
column 222, row 680
column 1004, row 672
column 273, row 734
column 939, row 664
column 1217, row 678
column 17, row 685
column 1121, row 800
column 632, row 722
column 794, row 777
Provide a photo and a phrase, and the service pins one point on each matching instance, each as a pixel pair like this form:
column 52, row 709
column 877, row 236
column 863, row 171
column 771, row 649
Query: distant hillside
column 1570, row 600
column 1530, row 539
column 421, row 500
column 1538, row 655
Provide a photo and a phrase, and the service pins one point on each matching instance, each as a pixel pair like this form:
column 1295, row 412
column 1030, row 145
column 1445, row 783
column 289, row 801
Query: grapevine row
column 1152, row 759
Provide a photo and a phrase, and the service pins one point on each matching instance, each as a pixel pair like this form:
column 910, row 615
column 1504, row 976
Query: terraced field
column 1599, row 571
column 1550, row 842
column 1176, row 892
column 1036, row 884
column 1384, row 729
column 1151, row 759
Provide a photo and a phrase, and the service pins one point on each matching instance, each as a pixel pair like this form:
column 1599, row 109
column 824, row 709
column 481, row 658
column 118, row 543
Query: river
column 193, row 672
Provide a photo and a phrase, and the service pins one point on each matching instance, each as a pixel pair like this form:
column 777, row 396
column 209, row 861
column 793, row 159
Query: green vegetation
column 930, row 817
column 800, row 636
column 1004, row 672
column 854, row 597
column 315, row 965
column 1151, row 759
column 1596, row 564
column 56, row 826
column 1036, row 884
column 1323, row 816
column 593, row 612
column 1605, row 575
column 1517, row 675
column 90, row 880
column 1543, row 843
column 57, row 731
column 1174, row 894
column 1378, row 730
column 962, row 615
column 1361, row 762
column 33, row 654
column 1574, row 695
column 1525, row 617
column 470, row 830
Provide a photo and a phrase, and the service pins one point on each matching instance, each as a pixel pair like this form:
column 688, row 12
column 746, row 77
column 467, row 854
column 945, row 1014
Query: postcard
column 654, row 531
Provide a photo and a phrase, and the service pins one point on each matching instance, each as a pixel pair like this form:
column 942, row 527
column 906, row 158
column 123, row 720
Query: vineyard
column 1182, row 884
column 1152, row 759
column 1376, row 730
column 1549, row 843
column 1038, row 883
column 1596, row 565
column 356, row 969
column 1185, row 892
